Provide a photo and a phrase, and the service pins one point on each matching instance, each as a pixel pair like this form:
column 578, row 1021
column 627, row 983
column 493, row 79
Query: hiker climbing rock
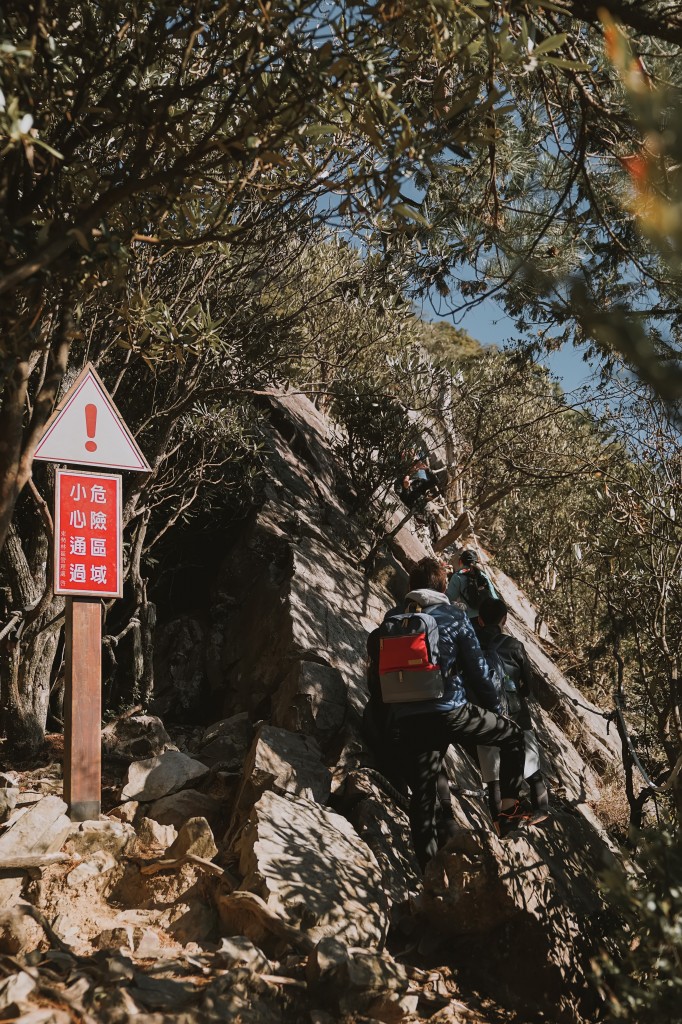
column 425, row 661
column 508, row 660
column 470, row 585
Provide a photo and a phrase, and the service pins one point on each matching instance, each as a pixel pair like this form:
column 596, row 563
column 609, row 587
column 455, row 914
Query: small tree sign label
column 88, row 549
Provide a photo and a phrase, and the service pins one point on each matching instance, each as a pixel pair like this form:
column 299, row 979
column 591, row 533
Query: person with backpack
column 470, row 585
column 427, row 669
column 509, row 663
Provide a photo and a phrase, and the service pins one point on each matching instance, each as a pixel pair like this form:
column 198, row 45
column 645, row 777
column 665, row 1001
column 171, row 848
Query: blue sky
column 490, row 324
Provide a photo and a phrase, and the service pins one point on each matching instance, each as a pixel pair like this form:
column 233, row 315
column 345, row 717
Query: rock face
column 313, row 870
column 312, row 700
column 295, row 577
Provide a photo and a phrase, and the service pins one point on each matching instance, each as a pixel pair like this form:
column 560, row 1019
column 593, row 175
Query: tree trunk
column 30, row 652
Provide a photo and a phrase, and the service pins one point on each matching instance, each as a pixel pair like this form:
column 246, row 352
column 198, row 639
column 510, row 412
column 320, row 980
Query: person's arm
column 454, row 588
column 493, row 592
column 476, row 672
column 518, row 653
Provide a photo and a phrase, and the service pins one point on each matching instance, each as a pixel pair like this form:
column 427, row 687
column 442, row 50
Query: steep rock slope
column 527, row 912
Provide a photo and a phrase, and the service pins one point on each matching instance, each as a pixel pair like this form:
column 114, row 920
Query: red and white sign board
column 86, row 428
column 88, row 556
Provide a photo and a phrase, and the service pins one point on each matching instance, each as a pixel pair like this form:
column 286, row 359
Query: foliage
column 568, row 216
column 151, row 127
column 447, row 345
column 643, row 983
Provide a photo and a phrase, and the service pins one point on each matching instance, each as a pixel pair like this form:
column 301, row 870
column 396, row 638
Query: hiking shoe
column 537, row 815
column 510, row 820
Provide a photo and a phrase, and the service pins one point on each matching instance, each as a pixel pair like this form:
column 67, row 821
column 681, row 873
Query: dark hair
column 429, row 574
column 468, row 557
column 492, row 611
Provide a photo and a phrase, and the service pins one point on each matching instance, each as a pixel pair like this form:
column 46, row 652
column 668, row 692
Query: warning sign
column 87, row 533
column 87, row 429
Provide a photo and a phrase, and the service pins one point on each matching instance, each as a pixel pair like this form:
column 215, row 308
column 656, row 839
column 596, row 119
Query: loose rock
column 178, row 808
column 158, row 776
column 312, row 869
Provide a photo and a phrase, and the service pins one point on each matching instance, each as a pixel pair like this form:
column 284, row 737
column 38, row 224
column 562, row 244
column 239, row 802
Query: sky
column 491, row 325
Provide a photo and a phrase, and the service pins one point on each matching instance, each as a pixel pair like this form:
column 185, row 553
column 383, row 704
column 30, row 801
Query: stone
column 88, row 837
column 19, row 933
column 194, row 838
column 8, row 801
column 41, row 829
column 312, row 869
column 386, row 830
column 312, row 699
column 135, row 736
column 152, row 835
column 286, row 762
column 100, row 863
column 177, row 808
column 158, row 776
column 352, row 981
column 120, row 937
column 15, row 990
column 11, row 886
column 227, row 742
column 127, row 812
column 238, row 951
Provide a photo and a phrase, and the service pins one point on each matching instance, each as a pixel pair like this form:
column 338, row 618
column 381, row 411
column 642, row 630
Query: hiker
column 427, row 667
column 517, row 679
column 470, row 585
column 417, row 481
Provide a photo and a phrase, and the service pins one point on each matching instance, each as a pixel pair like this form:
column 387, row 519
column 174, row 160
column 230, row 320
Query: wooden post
column 83, row 708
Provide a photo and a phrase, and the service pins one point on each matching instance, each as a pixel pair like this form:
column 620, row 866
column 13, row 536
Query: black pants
column 424, row 739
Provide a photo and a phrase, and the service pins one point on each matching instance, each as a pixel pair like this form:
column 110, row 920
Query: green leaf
column 551, row 43
column 411, row 213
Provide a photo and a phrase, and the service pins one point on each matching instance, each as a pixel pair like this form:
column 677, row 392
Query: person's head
column 429, row 574
column 493, row 611
column 468, row 558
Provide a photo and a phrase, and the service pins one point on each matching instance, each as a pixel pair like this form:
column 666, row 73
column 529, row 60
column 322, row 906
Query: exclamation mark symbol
column 91, row 427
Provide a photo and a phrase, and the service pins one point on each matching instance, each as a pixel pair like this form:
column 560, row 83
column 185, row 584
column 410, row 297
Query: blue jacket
column 466, row 673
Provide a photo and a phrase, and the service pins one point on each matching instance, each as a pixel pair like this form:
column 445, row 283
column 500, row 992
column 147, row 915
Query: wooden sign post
column 83, row 708
column 87, row 429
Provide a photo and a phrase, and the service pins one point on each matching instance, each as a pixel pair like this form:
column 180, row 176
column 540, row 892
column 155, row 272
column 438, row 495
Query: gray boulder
column 226, row 742
column 284, row 761
column 311, row 868
column 135, row 737
column 41, row 829
column 177, row 808
column 158, row 776
column 196, row 839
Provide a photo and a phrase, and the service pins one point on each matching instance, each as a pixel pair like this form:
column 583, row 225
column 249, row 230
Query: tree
column 158, row 126
column 562, row 217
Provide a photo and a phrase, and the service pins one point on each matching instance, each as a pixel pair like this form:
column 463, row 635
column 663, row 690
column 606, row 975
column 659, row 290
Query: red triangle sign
column 86, row 429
